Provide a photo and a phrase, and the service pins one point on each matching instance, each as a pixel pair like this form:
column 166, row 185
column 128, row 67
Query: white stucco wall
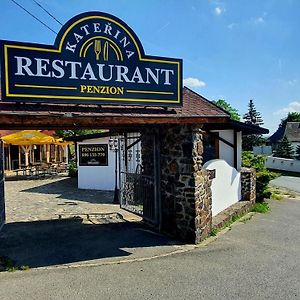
column 97, row 177
column 226, row 186
column 284, row 164
column 226, row 152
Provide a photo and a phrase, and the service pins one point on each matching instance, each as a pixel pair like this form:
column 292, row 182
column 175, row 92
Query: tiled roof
column 291, row 130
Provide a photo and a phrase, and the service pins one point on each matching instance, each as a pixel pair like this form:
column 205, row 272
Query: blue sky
column 236, row 50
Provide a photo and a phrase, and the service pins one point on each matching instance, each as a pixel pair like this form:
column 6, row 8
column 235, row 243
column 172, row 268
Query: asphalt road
column 288, row 182
column 256, row 260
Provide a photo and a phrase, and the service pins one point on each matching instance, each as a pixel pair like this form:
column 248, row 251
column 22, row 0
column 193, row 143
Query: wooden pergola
column 27, row 141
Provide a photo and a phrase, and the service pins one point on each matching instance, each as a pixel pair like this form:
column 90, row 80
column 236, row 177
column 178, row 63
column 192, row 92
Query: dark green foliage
column 72, row 169
column 78, row 132
column 284, row 149
column 253, row 116
column 261, row 207
column 257, row 162
column 291, row 117
column 252, row 140
column 263, row 176
column 234, row 114
column 297, row 156
column 7, row 264
column 263, row 179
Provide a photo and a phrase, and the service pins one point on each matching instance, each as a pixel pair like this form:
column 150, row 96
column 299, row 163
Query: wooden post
column 26, row 152
column 9, row 158
column 33, row 158
column 48, row 153
column 61, row 152
column 235, row 152
column 55, row 153
column 66, row 154
column 41, row 152
column 19, row 148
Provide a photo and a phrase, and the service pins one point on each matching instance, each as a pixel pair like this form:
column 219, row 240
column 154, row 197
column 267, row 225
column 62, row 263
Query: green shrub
column 72, row 169
column 214, row 232
column 263, row 179
column 261, row 207
column 249, row 160
column 263, row 176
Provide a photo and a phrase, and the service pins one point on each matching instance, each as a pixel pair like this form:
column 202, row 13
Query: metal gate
column 137, row 189
column 2, row 200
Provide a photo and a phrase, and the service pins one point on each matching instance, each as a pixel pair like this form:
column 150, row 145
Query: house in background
column 291, row 130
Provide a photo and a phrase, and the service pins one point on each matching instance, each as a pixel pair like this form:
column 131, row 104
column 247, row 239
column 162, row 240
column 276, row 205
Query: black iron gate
column 138, row 191
column 2, row 200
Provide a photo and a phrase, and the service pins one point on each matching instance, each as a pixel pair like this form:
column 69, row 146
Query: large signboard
column 96, row 58
column 93, row 155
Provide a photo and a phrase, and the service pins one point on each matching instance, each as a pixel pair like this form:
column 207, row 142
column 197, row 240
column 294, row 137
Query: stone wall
column 185, row 186
column 248, row 178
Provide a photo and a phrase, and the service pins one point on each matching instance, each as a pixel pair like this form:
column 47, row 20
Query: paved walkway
column 288, row 182
column 48, row 199
column 50, row 222
column 256, row 260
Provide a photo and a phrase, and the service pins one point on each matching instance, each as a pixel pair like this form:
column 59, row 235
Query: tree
column 77, row 132
column 291, row 117
column 234, row 114
column 253, row 116
column 284, row 149
column 297, row 156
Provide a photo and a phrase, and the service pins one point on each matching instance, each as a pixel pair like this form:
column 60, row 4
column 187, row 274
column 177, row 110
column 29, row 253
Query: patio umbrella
column 27, row 138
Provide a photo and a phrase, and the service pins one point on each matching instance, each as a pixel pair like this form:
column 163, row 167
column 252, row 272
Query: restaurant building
column 187, row 144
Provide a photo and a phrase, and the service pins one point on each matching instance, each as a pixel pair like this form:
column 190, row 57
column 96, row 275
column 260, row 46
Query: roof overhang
column 246, row 129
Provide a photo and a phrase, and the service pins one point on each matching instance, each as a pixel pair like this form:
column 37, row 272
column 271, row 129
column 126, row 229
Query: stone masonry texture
column 248, row 178
column 185, row 185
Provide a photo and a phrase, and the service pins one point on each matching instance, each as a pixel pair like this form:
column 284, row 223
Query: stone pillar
column 185, row 186
column 248, row 178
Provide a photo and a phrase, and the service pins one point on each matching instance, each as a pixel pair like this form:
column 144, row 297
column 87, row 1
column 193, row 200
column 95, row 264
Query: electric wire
column 33, row 16
column 45, row 10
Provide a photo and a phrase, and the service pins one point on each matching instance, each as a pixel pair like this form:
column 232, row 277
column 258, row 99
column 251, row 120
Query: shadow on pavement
column 53, row 242
column 68, row 189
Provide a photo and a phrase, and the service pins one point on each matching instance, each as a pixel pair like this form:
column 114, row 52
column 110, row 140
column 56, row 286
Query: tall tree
column 252, row 117
column 284, row 149
column 234, row 114
column 291, row 117
column 297, row 156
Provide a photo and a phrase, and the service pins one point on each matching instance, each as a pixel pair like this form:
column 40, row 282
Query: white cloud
column 232, row 26
column 193, row 82
column 259, row 20
column 291, row 107
column 219, row 10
